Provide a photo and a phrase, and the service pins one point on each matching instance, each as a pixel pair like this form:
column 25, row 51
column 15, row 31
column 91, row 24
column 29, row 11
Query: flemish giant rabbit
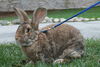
column 54, row 46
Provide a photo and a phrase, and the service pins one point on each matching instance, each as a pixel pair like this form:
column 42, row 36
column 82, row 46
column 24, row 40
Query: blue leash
column 44, row 31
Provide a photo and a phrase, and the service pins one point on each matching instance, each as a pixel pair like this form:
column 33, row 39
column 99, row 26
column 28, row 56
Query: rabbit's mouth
column 24, row 43
column 26, row 40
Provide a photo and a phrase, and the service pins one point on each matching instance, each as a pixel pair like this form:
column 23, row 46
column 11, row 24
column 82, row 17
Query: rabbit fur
column 59, row 43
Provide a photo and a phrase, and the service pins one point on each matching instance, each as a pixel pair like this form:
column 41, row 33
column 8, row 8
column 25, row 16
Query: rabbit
column 54, row 46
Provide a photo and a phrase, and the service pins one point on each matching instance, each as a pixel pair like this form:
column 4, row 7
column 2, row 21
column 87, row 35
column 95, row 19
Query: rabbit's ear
column 38, row 16
column 21, row 14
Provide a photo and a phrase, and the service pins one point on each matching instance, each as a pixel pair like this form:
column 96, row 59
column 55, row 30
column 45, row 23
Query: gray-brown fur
column 58, row 43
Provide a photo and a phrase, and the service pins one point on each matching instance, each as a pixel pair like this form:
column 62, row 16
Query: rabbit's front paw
column 58, row 61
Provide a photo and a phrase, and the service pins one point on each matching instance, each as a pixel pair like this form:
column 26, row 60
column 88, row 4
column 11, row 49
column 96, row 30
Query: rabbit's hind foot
column 61, row 61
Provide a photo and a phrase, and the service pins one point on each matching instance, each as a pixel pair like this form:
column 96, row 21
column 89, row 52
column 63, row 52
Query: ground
column 89, row 29
column 11, row 55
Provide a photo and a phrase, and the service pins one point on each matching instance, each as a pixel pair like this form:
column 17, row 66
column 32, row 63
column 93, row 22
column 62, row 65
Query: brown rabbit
column 54, row 46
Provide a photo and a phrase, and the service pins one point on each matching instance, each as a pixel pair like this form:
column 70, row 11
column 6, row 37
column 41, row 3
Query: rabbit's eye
column 27, row 30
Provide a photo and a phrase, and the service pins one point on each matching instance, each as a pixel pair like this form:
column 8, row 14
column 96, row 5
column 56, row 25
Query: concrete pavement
column 89, row 29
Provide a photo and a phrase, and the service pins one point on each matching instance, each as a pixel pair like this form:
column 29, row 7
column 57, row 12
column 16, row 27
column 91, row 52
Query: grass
column 66, row 13
column 11, row 54
column 92, row 13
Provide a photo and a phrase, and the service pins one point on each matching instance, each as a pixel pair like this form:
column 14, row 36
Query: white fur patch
column 59, row 61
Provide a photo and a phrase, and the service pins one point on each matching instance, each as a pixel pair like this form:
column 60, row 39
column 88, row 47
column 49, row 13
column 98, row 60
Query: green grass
column 92, row 13
column 66, row 13
column 11, row 54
